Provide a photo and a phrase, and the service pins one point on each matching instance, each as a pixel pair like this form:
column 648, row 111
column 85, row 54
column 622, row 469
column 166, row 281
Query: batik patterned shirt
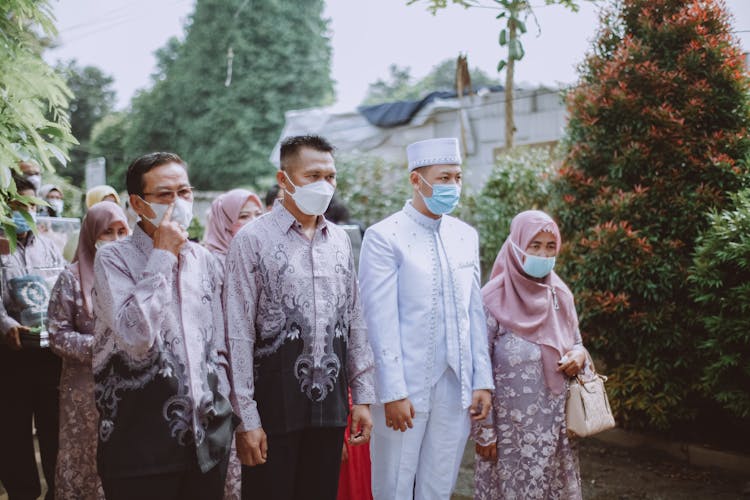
column 296, row 334
column 159, row 359
column 26, row 277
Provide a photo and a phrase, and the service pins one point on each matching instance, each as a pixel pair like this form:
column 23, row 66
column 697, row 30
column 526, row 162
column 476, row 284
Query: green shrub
column 520, row 180
column 720, row 279
column 371, row 187
column 657, row 138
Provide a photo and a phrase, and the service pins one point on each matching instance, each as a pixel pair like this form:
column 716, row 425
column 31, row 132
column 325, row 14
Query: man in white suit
column 419, row 280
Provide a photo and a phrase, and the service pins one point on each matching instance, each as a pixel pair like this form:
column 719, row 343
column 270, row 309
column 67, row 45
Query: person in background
column 419, row 275
column 229, row 212
column 274, row 193
column 101, row 193
column 32, row 173
column 297, row 340
column 29, row 375
column 354, row 477
column 159, row 354
column 71, row 329
column 523, row 450
column 53, row 195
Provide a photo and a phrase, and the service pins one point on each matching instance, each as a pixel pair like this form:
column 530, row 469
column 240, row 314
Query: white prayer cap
column 442, row 151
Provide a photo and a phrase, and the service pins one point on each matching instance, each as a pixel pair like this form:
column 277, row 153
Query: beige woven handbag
column 587, row 410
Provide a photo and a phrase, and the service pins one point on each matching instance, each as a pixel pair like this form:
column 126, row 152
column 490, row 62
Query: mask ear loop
column 516, row 251
column 290, row 182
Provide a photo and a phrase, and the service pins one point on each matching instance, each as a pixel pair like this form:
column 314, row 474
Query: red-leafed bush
column 657, row 138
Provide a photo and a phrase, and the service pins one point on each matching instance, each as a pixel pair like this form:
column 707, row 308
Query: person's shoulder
column 199, row 250
column 66, row 278
column 42, row 239
column 255, row 229
column 117, row 250
column 336, row 230
column 457, row 224
column 383, row 226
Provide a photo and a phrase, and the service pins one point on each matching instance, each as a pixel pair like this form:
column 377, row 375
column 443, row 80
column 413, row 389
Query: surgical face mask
column 312, row 199
column 101, row 243
column 444, row 197
column 22, row 225
column 534, row 266
column 57, row 205
column 36, row 180
column 182, row 213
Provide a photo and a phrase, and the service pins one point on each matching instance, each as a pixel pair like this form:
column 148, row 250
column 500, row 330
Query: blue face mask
column 536, row 267
column 22, row 226
column 444, row 197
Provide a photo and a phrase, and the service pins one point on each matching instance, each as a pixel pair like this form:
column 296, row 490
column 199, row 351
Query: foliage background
column 657, row 138
column 33, row 99
column 370, row 187
column 720, row 279
column 220, row 95
column 520, row 180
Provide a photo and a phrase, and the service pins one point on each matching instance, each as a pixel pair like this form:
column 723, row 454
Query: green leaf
column 501, row 65
column 521, row 26
column 515, row 50
column 503, row 37
column 61, row 157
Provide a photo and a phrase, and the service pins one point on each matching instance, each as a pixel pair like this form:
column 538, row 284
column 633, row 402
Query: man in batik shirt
column 160, row 365
column 297, row 339
column 29, row 370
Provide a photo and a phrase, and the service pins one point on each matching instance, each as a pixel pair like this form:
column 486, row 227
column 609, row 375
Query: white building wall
column 539, row 115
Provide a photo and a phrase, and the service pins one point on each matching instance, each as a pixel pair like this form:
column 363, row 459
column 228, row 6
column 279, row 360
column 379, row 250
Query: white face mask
column 312, row 199
column 35, row 180
column 101, row 243
column 57, row 205
column 182, row 213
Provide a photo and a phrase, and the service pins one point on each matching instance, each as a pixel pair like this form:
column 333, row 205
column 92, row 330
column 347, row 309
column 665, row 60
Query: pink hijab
column 98, row 218
column 524, row 305
column 222, row 220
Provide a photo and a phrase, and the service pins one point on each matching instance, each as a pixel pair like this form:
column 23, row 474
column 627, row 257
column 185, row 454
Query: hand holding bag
column 587, row 410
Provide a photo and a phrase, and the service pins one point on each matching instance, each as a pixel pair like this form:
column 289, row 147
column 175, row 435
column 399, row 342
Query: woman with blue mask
column 523, row 450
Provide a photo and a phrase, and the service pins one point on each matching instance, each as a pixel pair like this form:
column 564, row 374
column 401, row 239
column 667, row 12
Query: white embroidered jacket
column 403, row 285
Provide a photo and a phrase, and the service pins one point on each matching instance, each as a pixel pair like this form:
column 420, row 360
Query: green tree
column 657, row 137
column 108, row 141
column 515, row 13
column 33, row 99
column 400, row 86
column 93, row 98
column 220, row 95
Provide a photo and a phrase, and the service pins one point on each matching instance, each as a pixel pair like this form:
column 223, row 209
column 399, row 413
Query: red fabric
column 354, row 478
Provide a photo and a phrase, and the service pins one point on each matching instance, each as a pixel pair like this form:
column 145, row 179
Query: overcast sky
column 120, row 37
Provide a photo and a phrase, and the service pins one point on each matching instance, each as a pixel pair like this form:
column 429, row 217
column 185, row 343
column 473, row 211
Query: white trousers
column 424, row 460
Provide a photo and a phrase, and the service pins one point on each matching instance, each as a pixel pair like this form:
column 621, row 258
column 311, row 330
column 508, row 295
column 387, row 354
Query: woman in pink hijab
column 229, row 212
column 523, row 450
column 71, row 329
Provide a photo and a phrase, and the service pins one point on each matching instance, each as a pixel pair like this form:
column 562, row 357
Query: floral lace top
column 71, row 330
column 536, row 459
